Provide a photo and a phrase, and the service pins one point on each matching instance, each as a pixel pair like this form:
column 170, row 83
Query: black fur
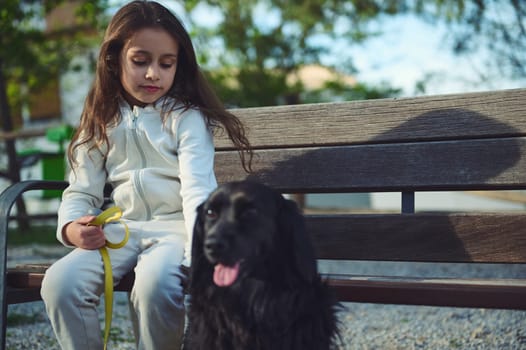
column 278, row 300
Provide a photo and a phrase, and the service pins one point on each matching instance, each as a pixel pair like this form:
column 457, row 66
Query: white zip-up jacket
column 159, row 171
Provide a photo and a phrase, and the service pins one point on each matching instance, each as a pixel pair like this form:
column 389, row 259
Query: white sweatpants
column 73, row 285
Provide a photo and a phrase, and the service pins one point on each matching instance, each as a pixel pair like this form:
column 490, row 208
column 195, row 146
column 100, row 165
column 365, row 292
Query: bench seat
column 24, row 285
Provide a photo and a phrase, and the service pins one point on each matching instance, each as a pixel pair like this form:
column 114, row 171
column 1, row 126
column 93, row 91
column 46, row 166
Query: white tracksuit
column 160, row 172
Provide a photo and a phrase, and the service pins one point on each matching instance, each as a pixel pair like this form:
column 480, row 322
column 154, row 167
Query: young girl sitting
column 146, row 129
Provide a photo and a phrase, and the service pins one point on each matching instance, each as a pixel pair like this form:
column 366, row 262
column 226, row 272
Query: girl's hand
column 79, row 234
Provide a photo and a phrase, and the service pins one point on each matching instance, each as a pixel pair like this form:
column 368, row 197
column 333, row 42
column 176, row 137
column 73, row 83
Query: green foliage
column 264, row 43
column 336, row 91
column 37, row 234
column 32, row 55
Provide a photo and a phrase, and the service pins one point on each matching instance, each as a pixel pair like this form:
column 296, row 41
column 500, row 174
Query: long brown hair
column 190, row 87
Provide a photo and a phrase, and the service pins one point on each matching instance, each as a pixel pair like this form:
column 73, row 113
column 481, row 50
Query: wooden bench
column 462, row 142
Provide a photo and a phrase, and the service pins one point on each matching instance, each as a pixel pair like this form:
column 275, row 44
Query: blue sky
column 410, row 49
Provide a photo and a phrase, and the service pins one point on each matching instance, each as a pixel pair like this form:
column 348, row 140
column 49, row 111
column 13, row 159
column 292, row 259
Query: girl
column 145, row 129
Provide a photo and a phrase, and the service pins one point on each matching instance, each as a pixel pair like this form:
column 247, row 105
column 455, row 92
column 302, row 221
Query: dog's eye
column 211, row 214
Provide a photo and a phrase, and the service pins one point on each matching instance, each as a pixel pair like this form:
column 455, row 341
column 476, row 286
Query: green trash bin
column 53, row 163
column 53, row 168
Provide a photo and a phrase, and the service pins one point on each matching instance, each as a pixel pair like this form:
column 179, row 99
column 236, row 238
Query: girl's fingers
column 92, row 237
column 84, row 220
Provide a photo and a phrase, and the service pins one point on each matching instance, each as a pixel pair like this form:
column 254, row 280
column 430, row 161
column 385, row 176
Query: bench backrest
column 459, row 142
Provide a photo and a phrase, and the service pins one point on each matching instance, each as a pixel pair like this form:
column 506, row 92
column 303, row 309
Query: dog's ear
column 198, row 234
column 292, row 222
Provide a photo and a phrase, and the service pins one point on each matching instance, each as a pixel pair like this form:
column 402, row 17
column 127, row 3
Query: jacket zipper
column 138, row 184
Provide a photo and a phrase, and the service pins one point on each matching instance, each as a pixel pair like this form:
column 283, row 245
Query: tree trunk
column 13, row 171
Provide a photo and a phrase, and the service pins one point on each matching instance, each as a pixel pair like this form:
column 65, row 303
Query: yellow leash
column 112, row 214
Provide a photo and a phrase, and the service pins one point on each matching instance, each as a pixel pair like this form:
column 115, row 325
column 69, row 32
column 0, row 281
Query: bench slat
column 447, row 165
column 443, row 117
column 499, row 294
column 490, row 293
column 31, row 276
column 438, row 237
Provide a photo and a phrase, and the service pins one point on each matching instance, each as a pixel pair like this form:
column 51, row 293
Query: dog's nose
column 214, row 246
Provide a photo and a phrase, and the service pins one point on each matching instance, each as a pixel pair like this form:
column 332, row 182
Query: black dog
column 254, row 282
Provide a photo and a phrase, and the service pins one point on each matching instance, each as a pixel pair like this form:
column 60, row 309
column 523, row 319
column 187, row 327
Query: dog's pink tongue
column 224, row 276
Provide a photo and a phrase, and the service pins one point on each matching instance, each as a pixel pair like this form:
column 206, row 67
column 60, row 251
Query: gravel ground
column 29, row 328
column 364, row 326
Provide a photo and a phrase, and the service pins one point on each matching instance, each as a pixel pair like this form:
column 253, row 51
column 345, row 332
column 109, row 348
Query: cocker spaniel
column 253, row 282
